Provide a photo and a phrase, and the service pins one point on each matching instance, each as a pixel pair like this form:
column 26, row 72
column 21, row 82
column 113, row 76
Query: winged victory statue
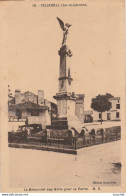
column 65, row 27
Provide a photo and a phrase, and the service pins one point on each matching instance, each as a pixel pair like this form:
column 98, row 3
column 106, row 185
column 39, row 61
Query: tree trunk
column 101, row 117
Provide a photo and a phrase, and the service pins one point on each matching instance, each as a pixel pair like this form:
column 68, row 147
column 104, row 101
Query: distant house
column 112, row 115
column 88, row 116
column 29, row 108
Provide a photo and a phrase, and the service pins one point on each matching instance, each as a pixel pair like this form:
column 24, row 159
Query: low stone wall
column 45, row 148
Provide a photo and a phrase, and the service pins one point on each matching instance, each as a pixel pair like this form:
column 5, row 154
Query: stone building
column 29, row 108
column 112, row 115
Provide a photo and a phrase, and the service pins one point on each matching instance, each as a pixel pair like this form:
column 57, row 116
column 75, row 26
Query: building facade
column 29, row 108
column 112, row 115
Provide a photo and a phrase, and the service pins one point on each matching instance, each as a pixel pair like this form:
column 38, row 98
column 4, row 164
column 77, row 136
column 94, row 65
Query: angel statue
column 65, row 28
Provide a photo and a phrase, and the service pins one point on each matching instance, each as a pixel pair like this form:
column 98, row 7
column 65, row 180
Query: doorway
column 108, row 116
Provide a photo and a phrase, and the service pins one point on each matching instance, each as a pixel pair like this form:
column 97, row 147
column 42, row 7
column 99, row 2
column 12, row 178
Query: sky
column 33, row 37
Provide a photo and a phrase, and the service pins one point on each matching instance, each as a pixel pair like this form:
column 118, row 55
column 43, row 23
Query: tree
column 109, row 95
column 101, row 103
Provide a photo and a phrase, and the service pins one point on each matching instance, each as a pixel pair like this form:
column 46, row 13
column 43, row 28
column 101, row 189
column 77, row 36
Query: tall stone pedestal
column 65, row 97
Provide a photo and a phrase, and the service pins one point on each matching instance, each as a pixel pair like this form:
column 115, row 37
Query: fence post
column 75, row 143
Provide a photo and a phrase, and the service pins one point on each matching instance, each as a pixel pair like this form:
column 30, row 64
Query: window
column 117, row 114
column 35, row 113
column 117, row 106
column 99, row 115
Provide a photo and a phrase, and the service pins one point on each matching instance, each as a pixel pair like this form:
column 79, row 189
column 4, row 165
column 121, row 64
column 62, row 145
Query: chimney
column 48, row 104
column 41, row 97
column 17, row 96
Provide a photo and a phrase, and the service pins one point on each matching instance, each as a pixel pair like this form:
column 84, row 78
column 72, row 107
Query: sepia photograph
column 62, row 96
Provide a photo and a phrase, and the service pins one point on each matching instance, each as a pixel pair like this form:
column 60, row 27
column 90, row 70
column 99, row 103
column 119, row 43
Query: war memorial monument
column 66, row 98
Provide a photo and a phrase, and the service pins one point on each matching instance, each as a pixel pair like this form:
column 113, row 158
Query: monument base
column 66, row 123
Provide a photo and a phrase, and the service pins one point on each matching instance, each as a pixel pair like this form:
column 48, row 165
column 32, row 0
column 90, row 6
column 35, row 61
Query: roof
column 27, row 105
column 10, row 96
column 28, row 92
column 53, row 104
column 115, row 98
column 12, row 101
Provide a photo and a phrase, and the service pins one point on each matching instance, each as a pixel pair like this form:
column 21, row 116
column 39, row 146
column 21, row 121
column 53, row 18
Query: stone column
column 65, row 98
column 64, row 69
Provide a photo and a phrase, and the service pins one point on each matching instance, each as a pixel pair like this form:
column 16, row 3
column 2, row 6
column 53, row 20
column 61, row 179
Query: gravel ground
column 98, row 165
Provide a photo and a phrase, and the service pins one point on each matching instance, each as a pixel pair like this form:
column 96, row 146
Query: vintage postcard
column 62, row 96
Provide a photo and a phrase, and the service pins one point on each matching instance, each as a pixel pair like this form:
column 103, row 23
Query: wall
column 114, row 102
column 18, row 96
column 62, row 108
column 114, row 110
column 14, row 125
column 14, row 122
column 79, row 110
column 43, row 118
column 96, row 116
column 25, row 113
column 113, row 115
column 11, row 113
column 40, row 97
column 70, row 108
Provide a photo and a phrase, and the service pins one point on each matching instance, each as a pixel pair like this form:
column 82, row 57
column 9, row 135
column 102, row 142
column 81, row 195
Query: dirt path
column 32, row 168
